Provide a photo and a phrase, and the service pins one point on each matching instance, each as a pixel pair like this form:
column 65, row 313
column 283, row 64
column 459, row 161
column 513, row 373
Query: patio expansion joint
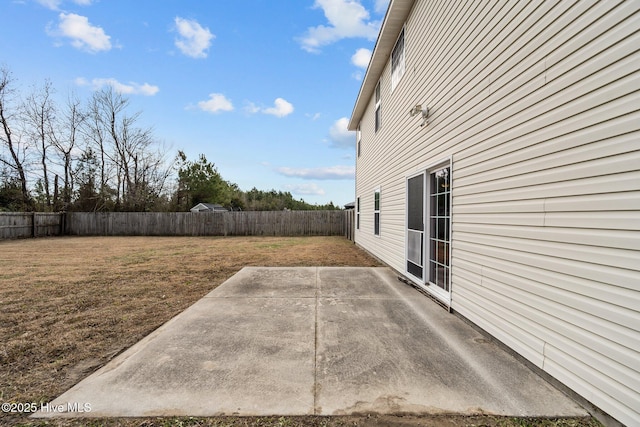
column 261, row 297
column 315, row 345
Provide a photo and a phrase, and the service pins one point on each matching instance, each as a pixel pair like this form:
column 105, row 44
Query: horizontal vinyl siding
column 538, row 105
column 546, row 207
column 374, row 172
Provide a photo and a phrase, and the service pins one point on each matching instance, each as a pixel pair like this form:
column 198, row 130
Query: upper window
column 377, row 124
column 397, row 61
column 358, row 139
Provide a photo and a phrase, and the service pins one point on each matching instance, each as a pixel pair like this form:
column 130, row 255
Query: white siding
column 538, row 104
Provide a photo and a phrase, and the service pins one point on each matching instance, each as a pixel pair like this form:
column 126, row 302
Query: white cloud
column 340, row 136
column 361, row 58
column 147, row 89
column 281, row 108
column 50, row 4
column 314, row 116
column 194, row 40
column 131, row 88
column 83, row 35
column 305, row 189
column 251, row 108
column 331, row 172
column 216, row 103
column 55, row 4
column 346, row 18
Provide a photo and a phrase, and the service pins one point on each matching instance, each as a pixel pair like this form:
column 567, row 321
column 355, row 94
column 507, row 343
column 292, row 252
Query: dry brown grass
column 69, row 305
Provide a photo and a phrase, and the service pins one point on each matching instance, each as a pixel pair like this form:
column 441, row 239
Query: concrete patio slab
column 302, row 341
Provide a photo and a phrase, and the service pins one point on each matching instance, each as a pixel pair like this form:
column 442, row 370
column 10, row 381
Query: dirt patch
column 317, row 421
column 69, row 305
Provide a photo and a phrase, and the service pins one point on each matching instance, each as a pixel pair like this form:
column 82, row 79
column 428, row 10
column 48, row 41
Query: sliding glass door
column 428, row 234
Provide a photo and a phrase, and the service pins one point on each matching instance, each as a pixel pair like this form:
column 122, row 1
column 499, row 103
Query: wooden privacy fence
column 15, row 225
column 253, row 223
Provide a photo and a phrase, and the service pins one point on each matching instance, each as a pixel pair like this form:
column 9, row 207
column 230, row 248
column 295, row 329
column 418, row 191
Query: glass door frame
column 425, row 283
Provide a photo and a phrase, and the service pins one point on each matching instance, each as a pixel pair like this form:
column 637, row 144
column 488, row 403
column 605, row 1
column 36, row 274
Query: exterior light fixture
column 419, row 109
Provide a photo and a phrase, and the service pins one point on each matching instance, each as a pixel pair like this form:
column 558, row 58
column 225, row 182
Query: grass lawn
column 69, row 305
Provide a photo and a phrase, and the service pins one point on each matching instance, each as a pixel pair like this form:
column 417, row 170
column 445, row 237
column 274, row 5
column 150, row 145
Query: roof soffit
column 394, row 20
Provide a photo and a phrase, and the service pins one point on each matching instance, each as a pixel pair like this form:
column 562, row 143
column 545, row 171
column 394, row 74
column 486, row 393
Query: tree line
column 200, row 182
column 94, row 156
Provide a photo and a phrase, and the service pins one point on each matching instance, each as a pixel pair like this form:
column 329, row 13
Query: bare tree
column 9, row 141
column 106, row 161
column 142, row 166
column 129, row 164
column 97, row 134
column 150, row 173
column 39, row 115
column 66, row 140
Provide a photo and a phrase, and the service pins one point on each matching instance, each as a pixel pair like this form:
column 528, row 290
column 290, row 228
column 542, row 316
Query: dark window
column 376, row 213
column 415, row 226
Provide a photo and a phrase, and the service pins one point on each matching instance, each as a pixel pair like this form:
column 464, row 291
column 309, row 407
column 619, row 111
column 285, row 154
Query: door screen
column 415, row 226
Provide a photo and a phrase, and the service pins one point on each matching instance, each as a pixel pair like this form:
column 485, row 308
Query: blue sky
column 263, row 88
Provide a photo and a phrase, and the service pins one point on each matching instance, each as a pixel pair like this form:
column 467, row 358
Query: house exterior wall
column 537, row 105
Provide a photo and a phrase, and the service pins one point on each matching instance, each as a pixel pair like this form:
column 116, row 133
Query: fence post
column 63, row 220
column 349, row 220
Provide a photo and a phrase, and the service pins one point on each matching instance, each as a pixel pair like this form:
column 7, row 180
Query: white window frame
column 444, row 295
column 378, row 109
column 398, row 61
column 358, row 213
column 376, row 211
column 358, row 140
